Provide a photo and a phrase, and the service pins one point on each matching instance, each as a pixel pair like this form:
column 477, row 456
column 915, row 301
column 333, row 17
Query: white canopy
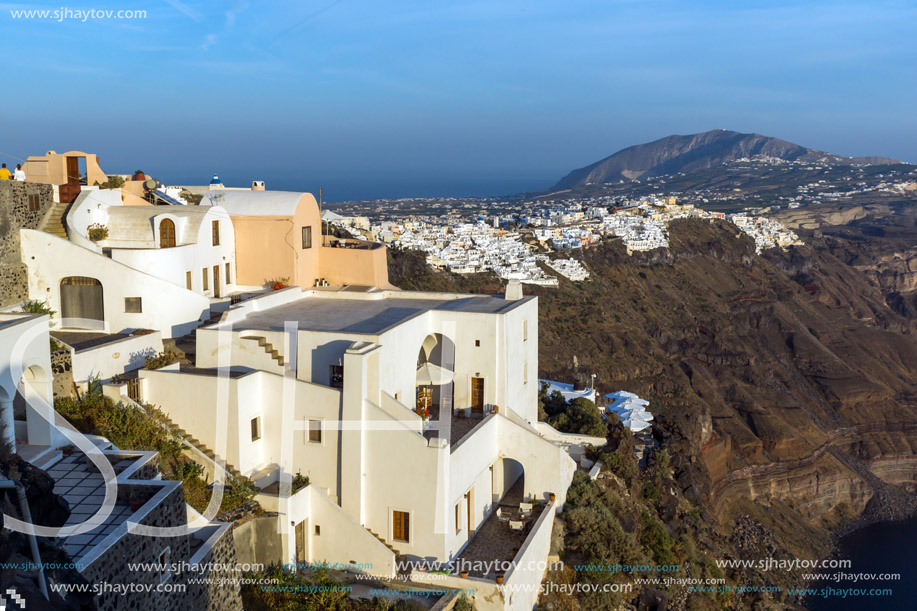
column 430, row 374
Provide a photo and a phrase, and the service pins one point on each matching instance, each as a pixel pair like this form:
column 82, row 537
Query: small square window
column 228, row 275
column 306, row 237
column 256, row 428
column 188, row 280
column 315, row 431
column 133, row 305
column 205, row 278
column 34, row 202
column 477, row 343
column 318, row 530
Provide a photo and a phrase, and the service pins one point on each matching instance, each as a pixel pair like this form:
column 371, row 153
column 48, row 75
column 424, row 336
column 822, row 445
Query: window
column 318, row 530
column 133, row 305
column 256, row 428
column 337, row 376
column 34, row 202
column 188, row 280
column 165, row 562
column 458, row 517
column 205, row 278
column 315, row 431
column 401, row 526
column 525, row 330
column 166, row 234
column 477, row 343
column 226, row 279
column 215, row 228
column 306, row 237
column 525, row 372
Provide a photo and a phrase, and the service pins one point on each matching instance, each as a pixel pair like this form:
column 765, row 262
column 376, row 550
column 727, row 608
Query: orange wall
column 340, row 266
column 263, row 249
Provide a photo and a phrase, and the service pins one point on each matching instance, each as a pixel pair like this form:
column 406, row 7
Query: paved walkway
column 494, row 539
column 82, row 486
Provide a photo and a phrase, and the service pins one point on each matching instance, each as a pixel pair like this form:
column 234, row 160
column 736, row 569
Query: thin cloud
column 303, row 21
column 184, row 9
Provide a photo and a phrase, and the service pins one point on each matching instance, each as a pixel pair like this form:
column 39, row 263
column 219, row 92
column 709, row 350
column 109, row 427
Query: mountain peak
column 688, row 153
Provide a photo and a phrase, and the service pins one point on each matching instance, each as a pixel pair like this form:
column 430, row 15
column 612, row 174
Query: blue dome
column 215, row 180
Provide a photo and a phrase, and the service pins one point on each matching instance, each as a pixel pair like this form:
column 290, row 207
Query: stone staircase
column 193, row 441
column 385, row 543
column 55, row 222
column 268, row 348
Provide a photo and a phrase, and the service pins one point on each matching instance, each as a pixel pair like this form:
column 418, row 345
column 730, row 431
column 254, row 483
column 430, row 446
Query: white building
column 329, row 383
column 125, row 268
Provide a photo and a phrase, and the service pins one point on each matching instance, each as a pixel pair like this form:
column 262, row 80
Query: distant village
column 520, row 246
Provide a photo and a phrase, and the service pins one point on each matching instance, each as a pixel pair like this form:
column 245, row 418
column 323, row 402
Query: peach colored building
column 279, row 236
column 65, row 170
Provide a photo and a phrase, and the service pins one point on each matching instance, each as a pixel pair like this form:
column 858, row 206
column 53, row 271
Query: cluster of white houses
column 413, row 415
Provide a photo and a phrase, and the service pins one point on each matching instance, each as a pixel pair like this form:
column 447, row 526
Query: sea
column 879, row 549
column 361, row 187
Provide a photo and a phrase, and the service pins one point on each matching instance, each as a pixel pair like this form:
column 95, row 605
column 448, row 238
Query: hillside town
column 524, row 245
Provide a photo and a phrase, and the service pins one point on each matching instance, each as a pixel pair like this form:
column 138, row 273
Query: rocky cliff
column 783, row 384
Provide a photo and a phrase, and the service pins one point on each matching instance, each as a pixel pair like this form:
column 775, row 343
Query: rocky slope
column 783, row 385
column 674, row 154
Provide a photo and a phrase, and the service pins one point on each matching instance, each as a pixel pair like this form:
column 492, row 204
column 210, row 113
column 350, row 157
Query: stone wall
column 62, row 370
column 15, row 215
column 111, row 567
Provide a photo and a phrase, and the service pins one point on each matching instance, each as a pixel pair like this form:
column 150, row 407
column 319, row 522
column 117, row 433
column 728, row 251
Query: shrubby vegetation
column 287, row 594
column 37, row 307
column 579, row 416
column 133, row 428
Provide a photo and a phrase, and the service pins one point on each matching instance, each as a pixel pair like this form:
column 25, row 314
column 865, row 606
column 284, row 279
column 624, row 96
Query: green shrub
column 656, row 540
column 158, row 361
column 37, row 307
column 300, row 481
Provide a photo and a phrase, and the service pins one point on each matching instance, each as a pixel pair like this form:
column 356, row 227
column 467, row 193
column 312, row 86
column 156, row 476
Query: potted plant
column 139, row 175
column 500, row 579
column 423, row 412
column 552, row 497
column 97, row 232
column 464, row 574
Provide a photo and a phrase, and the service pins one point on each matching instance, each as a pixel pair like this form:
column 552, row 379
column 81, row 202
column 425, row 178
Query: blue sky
column 411, row 94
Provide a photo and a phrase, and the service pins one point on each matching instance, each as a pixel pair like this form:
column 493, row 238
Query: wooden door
column 301, row 543
column 73, row 170
column 469, row 513
column 216, row 281
column 401, row 526
column 477, row 396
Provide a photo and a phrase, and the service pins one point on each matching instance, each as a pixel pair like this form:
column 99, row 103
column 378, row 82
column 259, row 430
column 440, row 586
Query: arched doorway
column 434, row 376
column 81, row 303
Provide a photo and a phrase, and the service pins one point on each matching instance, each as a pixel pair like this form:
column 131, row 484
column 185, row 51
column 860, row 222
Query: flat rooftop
column 369, row 313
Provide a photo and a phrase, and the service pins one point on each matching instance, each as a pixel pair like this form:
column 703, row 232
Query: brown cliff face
column 778, row 381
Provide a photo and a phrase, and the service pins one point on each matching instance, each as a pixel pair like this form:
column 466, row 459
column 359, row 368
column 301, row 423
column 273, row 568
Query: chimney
column 257, row 185
column 513, row 290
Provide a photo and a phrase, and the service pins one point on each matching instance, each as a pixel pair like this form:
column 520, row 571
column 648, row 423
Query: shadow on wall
column 326, row 355
column 138, row 358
